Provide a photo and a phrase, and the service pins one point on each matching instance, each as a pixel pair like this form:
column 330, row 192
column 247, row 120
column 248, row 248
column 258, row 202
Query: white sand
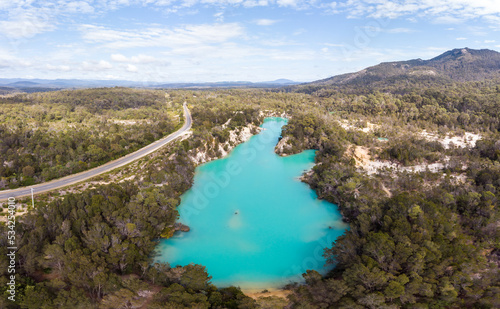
column 468, row 140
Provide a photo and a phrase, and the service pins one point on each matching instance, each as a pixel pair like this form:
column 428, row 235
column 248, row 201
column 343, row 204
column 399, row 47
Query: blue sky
column 228, row 40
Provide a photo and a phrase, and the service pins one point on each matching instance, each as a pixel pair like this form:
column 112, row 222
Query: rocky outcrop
column 282, row 146
column 269, row 113
column 170, row 230
column 181, row 227
column 211, row 152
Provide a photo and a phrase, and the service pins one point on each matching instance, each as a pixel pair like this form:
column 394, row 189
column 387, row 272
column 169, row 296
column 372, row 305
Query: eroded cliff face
column 269, row 113
column 283, row 147
column 212, row 151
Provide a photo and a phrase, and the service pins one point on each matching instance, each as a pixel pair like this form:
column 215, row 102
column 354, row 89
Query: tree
column 195, row 277
column 74, row 298
column 394, row 290
column 36, row 297
column 28, row 171
column 123, row 298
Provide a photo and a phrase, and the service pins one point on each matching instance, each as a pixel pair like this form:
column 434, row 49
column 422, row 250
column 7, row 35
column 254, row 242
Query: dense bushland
column 53, row 134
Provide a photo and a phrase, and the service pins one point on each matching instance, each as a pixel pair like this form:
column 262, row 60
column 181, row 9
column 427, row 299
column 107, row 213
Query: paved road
column 72, row 179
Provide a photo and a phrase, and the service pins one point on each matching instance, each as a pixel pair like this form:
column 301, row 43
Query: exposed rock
column 468, row 140
column 268, row 113
column 181, row 227
column 371, row 166
column 306, row 175
column 282, row 146
column 236, row 137
column 171, row 229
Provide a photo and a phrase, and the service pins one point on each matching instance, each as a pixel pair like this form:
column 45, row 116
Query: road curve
column 75, row 178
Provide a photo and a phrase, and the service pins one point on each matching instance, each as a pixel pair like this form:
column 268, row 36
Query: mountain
column 7, row 90
column 460, row 65
column 24, row 84
column 32, row 85
column 230, row 84
column 65, row 83
column 281, row 81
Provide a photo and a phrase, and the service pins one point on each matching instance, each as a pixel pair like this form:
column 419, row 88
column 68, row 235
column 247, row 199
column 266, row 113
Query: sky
column 232, row 40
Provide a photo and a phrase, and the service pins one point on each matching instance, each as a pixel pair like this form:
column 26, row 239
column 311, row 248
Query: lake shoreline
column 237, row 137
column 276, row 292
column 249, row 255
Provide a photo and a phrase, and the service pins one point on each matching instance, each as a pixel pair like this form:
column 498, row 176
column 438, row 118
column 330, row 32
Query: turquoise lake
column 253, row 223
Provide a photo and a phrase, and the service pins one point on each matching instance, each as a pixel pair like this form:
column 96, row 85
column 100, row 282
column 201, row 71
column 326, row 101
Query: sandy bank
column 364, row 161
column 256, row 294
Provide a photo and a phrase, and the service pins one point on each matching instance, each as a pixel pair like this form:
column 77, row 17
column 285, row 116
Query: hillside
column 49, row 135
column 459, row 65
column 10, row 85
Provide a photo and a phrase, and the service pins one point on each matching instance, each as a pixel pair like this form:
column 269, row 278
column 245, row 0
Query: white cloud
column 442, row 11
column 27, row 18
column 193, row 35
column 276, row 42
column 10, row 60
column 224, row 51
column 461, row 39
column 96, row 66
column 494, row 21
column 76, row 7
column 119, row 58
column 334, row 45
column 219, row 17
column 288, row 2
column 24, row 19
column 266, row 22
column 400, row 30
column 254, row 3
column 26, row 25
column 175, row 5
column 477, row 31
column 59, row 68
column 131, row 68
column 447, row 19
column 330, row 8
column 155, row 2
column 111, row 76
column 299, row 31
column 134, row 59
column 292, row 55
column 218, row 48
column 392, row 30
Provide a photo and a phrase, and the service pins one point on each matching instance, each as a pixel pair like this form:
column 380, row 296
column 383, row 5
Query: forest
column 433, row 241
column 426, row 246
column 416, row 239
column 53, row 134
column 95, row 248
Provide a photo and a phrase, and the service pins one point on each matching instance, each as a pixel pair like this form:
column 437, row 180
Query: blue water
column 253, row 223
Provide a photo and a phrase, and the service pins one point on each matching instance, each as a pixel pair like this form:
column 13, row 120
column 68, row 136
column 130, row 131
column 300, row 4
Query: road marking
column 107, row 167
